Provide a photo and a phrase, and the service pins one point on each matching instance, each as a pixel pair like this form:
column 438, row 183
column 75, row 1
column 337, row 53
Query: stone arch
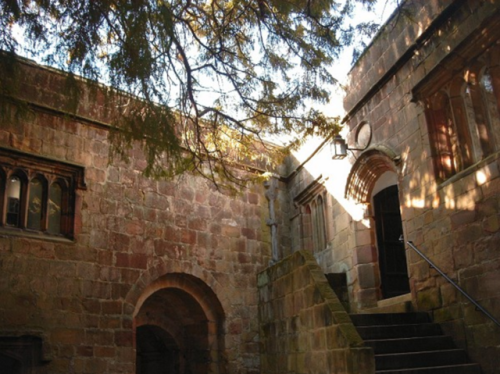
column 369, row 166
column 374, row 171
column 154, row 273
column 184, row 313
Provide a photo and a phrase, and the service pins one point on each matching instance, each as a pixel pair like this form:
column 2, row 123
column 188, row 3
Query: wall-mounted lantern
column 339, row 148
column 363, row 137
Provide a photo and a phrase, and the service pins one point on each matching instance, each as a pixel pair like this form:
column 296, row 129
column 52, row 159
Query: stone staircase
column 409, row 343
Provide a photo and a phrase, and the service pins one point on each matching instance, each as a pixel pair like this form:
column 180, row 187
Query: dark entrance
column 157, row 352
column 391, row 252
column 20, row 354
column 179, row 328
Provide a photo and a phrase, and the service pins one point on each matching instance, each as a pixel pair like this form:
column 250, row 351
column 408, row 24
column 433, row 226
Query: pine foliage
column 215, row 76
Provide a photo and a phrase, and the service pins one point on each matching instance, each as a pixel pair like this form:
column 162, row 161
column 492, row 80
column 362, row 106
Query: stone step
column 450, row 369
column 410, row 343
column 399, row 331
column 371, row 319
column 421, row 359
column 398, row 304
column 413, row 344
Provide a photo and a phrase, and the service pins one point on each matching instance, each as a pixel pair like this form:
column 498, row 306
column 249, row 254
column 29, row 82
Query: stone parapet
column 396, row 39
column 304, row 327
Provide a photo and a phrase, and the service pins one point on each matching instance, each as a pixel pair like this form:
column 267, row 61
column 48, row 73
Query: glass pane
column 55, row 200
column 487, row 82
column 490, row 103
column 321, row 224
column 35, row 203
column 13, row 201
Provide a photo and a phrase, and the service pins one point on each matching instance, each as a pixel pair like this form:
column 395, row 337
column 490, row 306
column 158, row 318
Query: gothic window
column 313, row 216
column 13, row 203
column 37, row 196
column 319, row 224
column 314, row 228
column 463, row 116
column 443, row 134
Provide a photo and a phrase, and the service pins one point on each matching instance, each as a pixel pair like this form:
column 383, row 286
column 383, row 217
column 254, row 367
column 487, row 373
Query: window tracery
column 463, row 116
column 313, row 208
column 38, row 195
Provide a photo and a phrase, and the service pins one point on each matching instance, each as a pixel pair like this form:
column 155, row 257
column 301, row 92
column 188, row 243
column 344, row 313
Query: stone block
column 429, row 299
column 188, row 236
column 366, row 276
column 123, row 338
column 462, row 218
column 134, row 261
column 231, row 231
column 364, row 255
column 448, row 313
column 253, row 198
column 360, row 360
column 66, row 336
column 420, row 270
column 337, row 361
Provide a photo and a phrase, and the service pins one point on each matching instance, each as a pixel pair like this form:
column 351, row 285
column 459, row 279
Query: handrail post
column 460, row 289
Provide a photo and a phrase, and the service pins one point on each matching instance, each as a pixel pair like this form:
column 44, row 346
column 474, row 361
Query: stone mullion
column 3, row 197
column 495, row 80
column 23, row 201
column 44, row 224
column 67, row 211
column 465, row 148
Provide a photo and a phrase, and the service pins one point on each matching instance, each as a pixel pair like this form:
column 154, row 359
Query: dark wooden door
column 391, row 252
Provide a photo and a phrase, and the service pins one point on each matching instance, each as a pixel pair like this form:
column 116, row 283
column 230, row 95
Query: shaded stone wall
column 303, row 325
column 80, row 296
column 345, row 230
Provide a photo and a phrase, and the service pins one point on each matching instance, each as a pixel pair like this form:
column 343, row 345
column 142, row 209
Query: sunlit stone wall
column 442, row 47
column 303, row 325
column 81, row 296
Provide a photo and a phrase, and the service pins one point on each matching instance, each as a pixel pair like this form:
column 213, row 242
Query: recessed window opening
column 38, row 196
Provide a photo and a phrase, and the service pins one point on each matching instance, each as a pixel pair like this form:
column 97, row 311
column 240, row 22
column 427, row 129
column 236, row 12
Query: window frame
column 314, row 218
column 27, row 167
column 474, row 124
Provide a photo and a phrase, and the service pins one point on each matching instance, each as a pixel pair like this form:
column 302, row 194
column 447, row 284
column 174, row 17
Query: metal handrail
column 479, row 307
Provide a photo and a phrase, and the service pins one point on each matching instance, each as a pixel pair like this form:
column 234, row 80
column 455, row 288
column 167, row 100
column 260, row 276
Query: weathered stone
column 142, row 247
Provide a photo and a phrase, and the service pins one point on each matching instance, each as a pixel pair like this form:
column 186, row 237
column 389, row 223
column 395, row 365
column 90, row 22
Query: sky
column 341, row 68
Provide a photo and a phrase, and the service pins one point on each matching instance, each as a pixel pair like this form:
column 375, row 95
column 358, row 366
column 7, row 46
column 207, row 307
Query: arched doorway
column 178, row 323
column 157, row 351
column 391, row 251
column 373, row 181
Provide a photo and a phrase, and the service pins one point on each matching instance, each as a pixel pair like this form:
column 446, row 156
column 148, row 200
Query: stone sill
column 20, row 233
column 470, row 170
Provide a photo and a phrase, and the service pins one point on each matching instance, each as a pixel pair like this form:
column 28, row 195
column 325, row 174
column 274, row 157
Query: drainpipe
column 271, row 194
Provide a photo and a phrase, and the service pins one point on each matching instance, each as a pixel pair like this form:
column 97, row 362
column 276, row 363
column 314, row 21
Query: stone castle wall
column 454, row 222
column 304, row 327
column 145, row 250
column 132, row 236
